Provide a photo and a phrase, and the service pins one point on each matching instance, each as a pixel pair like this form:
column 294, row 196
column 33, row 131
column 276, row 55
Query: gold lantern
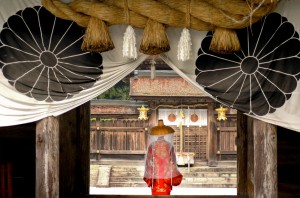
column 222, row 113
column 143, row 113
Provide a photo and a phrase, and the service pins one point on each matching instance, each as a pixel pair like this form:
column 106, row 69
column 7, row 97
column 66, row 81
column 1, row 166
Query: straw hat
column 161, row 129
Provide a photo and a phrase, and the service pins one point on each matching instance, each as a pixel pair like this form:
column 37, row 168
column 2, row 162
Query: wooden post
column 257, row 158
column 47, row 158
column 74, row 152
column 152, row 120
column 242, row 149
column 265, row 164
column 211, row 136
column 153, row 115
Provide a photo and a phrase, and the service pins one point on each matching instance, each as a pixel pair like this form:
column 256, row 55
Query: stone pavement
column 175, row 191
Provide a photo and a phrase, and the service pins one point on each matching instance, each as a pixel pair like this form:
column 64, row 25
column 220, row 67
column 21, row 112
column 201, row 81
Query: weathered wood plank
column 257, row 158
column 265, row 164
column 47, row 158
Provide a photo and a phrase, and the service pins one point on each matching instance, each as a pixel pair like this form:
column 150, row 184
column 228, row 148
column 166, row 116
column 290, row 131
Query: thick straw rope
column 204, row 14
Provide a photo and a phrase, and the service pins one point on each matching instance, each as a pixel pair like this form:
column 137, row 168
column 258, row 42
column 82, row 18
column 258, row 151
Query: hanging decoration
column 222, row 113
column 184, row 46
column 194, row 117
column 153, row 16
column 262, row 76
column 172, row 117
column 41, row 56
column 155, row 40
column 143, row 113
column 129, row 39
column 224, row 41
column 184, row 49
column 97, row 37
column 129, row 43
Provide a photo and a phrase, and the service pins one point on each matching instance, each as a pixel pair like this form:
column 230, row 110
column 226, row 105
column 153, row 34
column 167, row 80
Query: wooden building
column 117, row 131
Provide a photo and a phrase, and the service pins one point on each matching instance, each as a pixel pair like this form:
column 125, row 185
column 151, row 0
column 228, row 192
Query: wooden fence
column 129, row 136
column 118, row 136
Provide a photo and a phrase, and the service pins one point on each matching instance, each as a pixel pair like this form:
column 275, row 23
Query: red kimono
column 161, row 172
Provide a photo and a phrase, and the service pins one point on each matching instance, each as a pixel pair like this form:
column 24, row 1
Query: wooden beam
column 257, row 158
column 211, row 136
column 47, row 158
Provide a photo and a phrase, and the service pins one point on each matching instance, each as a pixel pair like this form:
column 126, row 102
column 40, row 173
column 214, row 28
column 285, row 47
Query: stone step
column 209, row 169
column 194, row 177
column 207, row 185
column 187, row 175
column 182, row 185
column 184, row 180
column 226, row 169
column 210, row 174
column 208, row 180
column 128, row 184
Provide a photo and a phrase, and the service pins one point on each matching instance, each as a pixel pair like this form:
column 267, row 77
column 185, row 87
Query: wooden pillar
column 211, row 136
column 74, row 152
column 257, row 158
column 242, row 150
column 265, row 164
column 153, row 115
column 47, row 158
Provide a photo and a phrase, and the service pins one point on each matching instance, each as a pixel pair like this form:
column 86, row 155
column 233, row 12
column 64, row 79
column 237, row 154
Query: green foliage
column 118, row 92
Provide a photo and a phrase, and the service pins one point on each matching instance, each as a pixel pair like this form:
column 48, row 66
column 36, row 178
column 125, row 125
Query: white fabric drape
column 16, row 108
column 288, row 115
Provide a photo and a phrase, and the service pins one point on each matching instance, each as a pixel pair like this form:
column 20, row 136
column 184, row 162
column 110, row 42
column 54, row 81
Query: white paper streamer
column 129, row 42
column 184, row 52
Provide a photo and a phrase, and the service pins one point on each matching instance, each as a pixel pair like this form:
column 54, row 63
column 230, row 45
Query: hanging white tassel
column 129, row 42
column 184, row 46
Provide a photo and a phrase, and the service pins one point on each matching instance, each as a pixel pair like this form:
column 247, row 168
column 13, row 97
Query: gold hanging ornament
column 143, row 113
column 221, row 113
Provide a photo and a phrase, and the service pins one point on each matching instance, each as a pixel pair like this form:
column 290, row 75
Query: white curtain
column 17, row 108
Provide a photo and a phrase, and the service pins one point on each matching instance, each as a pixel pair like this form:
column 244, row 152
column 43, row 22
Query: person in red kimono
column 161, row 171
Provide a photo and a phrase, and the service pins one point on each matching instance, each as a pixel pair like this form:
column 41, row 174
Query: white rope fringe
column 129, row 43
column 184, row 46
